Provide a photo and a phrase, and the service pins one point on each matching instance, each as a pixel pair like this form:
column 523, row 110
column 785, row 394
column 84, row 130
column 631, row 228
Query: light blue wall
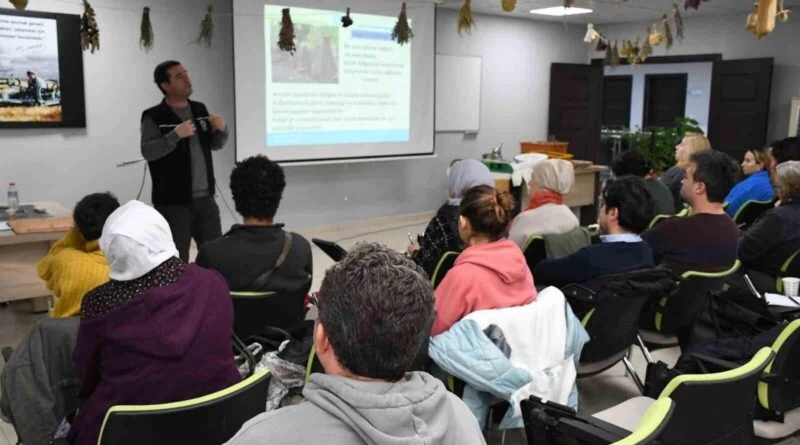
column 698, row 90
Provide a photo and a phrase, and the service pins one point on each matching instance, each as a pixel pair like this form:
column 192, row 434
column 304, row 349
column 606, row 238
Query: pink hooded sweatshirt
column 486, row 276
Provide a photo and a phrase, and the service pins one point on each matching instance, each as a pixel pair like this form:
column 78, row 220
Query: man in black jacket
column 626, row 211
column 178, row 136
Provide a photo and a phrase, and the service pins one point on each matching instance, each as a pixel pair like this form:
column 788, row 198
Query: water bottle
column 13, row 197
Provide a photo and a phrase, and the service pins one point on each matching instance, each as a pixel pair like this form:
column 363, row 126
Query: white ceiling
column 614, row 11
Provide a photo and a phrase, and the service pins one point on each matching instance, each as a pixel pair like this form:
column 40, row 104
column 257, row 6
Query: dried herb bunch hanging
column 19, row 4
column 207, row 28
column 667, row 31
column 90, row 34
column 402, row 32
column 615, row 55
column 676, row 15
column 568, row 3
column 346, row 20
column 783, row 13
column 286, row 35
column 146, row 33
column 465, row 21
column 647, row 48
column 509, row 5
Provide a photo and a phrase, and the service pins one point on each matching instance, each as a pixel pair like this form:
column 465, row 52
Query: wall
column 64, row 165
column 698, row 88
column 726, row 35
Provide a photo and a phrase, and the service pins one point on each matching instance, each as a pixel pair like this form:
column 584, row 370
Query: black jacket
column 246, row 252
column 594, row 261
column 172, row 174
column 772, row 239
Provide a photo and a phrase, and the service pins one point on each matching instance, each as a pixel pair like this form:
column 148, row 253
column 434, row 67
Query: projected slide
column 341, row 86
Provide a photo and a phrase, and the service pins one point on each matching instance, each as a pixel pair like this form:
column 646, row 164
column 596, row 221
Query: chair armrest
column 724, row 364
column 587, row 433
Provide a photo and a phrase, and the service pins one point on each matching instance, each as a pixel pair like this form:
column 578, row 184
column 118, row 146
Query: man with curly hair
column 375, row 312
column 248, row 250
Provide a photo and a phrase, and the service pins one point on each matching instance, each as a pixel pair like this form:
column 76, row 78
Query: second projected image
column 316, row 59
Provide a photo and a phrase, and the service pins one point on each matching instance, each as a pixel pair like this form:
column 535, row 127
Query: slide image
column 29, row 71
column 316, row 59
column 341, row 86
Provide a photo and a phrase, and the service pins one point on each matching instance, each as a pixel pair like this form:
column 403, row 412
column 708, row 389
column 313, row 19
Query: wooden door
column 576, row 107
column 664, row 99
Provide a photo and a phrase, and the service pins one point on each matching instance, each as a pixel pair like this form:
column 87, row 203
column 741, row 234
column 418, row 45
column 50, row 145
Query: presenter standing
column 178, row 136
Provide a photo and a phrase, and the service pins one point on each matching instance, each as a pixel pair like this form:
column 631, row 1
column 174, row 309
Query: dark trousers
column 199, row 221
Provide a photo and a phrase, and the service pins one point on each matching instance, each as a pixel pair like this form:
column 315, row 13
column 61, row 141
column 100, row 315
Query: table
column 18, row 257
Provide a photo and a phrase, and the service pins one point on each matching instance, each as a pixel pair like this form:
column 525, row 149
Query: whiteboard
column 458, row 93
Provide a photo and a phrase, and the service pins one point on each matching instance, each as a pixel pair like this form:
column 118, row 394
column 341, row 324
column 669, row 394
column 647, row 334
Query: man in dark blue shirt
column 626, row 211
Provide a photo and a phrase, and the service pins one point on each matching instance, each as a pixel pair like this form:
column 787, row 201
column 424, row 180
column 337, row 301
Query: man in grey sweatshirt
column 375, row 310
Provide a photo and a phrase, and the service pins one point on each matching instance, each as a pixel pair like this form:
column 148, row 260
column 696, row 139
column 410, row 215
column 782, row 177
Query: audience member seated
column 756, row 185
column 367, row 395
column 784, row 150
column 775, row 236
column 690, row 144
column 546, row 213
column 159, row 331
column 249, row 249
column 633, row 163
column 441, row 235
column 491, row 273
column 707, row 240
column 75, row 265
column 625, row 213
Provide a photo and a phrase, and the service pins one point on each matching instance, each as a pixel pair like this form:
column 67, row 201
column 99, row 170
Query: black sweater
column 246, row 252
column 772, row 239
column 594, row 261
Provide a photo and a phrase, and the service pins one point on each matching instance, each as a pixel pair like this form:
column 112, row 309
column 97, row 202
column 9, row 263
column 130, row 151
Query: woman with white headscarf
column 546, row 213
column 159, row 331
column 441, row 235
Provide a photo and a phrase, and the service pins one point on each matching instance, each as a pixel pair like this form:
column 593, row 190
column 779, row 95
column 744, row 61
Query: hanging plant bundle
column 667, row 31
column 654, row 36
column 509, row 5
column 402, row 32
column 601, row 44
column 646, row 50
column 609, row 55
column 286, row 34
column 783, row 13
column 146, row 34
column 676, row 15
column 767, row 12
column 694, row 4
column 346, row 20
column 615, row 55
column 465, row 20
column 19, row 4
column 568, row 3
column 591, row 34
column 90, row 34
column 207, row 28
column 752, row 19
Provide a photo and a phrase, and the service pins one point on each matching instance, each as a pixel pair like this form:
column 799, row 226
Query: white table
column 18, row 257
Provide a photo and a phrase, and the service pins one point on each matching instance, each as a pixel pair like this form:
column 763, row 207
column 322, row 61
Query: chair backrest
column 211, row 419
column 446, row 263
column 749, row 212
column 657, row 220
column 783, row 394
column 681, row 307
column 615, row 305
column 715, row 408
column 789, row 268
column 534, row 251
column 254, row 311
column 652, row 424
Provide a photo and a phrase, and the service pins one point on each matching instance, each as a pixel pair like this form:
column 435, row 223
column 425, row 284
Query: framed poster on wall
column 794, row 119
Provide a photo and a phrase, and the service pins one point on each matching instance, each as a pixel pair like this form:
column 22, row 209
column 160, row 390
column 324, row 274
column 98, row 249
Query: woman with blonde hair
column 690, row 144
column 546, row 213
column 774, row 237
column 756, row 185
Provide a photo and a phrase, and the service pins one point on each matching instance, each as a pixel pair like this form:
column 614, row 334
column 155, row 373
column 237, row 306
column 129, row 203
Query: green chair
column 750, row 211
column 652, row 424
column 674, row 315
column 534, row 251
column 779, row 392
column 658, row 219
column 709, row 408
column 208, row 420
column 254, row 311
column 790, row 268
column 446, row 262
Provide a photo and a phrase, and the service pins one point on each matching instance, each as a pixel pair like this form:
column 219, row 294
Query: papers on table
column 4, row 226
column 782, row 300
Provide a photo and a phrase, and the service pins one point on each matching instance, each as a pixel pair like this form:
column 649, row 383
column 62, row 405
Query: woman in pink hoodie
column 491, row 273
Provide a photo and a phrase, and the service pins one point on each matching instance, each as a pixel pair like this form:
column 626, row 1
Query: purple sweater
column 167, row 344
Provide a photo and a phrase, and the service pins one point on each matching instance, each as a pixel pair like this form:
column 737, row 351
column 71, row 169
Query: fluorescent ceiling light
column 559, row 11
